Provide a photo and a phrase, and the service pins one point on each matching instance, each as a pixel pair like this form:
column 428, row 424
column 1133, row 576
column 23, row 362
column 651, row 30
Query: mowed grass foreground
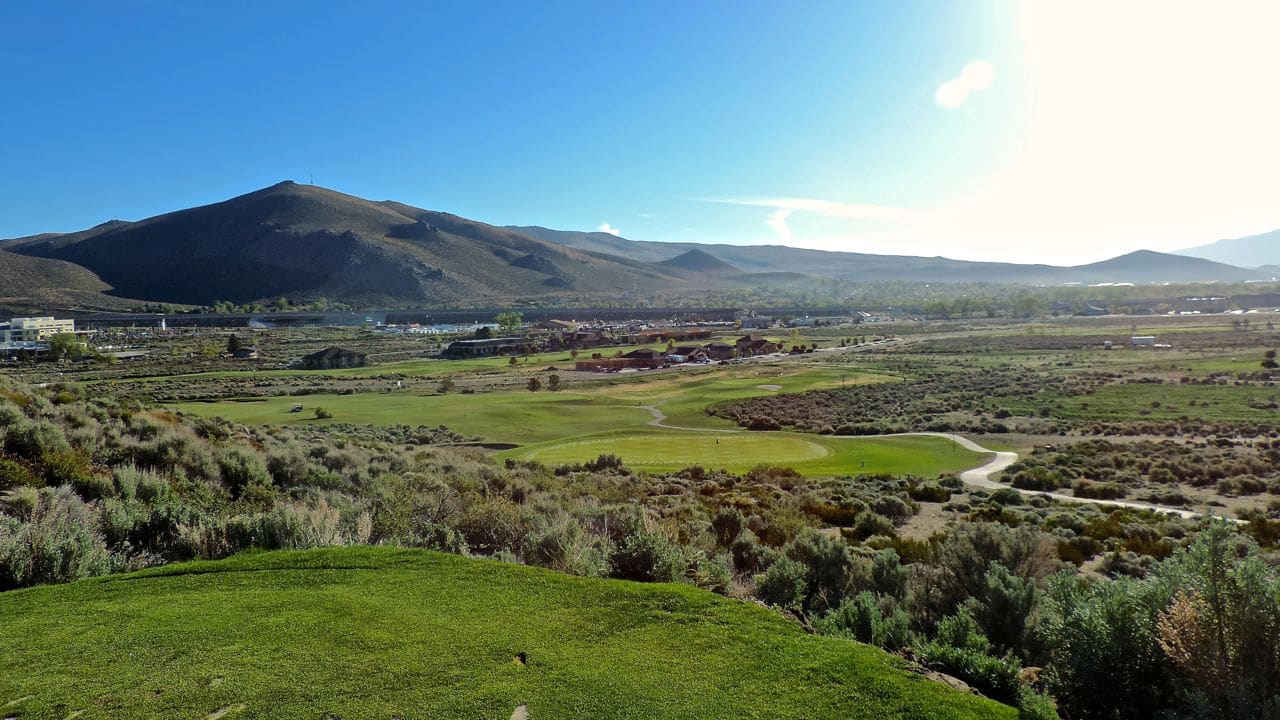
column 384, row 633
column 808, row 454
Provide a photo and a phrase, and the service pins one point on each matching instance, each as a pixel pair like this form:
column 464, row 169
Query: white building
column 25, row 333
column 758, row 322
column 1143, row 340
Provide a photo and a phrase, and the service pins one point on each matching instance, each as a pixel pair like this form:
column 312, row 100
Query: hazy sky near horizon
column 1037, row 131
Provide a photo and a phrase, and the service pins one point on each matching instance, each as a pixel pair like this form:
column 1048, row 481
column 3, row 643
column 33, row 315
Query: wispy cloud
column 605, row 227
column 785, row 207
column 977, row 75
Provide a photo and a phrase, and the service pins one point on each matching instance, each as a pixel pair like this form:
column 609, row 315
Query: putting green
column 814, row 455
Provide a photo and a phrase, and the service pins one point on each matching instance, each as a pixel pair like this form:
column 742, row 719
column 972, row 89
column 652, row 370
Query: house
column 488, row 347
column 603, row 364
column 687, row 353
column 334, row 357
column 1143, row 341
column 646, row 357
column 758, row 322
column 720, row 351
column 748, row 345
column 1093, row 311
column 245, row 353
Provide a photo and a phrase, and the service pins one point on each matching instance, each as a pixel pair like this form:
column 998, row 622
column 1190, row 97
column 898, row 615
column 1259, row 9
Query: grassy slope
column 378, row 633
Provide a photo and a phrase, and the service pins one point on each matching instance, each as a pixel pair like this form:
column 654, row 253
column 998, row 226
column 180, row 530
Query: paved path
column 979, row 477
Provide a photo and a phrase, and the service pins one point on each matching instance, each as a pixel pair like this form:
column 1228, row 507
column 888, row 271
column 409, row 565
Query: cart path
column 979, row 477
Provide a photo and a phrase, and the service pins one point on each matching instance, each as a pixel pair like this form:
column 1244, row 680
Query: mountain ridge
column 305, row 242
column 1253, row 251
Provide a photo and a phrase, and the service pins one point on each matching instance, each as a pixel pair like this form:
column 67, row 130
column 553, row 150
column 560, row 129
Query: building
column 245, row 353
column 646, row 357
column 1143, row 341
column 488, row 347
column 748, row 345
column 758, row 322
column 720, row 351
column 334, row 357
column 687, row 353
column 33, row 330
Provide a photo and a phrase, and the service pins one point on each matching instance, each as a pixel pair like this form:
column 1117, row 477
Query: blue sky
column 817, row 124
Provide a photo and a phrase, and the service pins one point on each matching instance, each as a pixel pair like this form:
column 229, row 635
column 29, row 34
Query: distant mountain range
column 1254, row 251
column 1143, row 266
column 305, row 242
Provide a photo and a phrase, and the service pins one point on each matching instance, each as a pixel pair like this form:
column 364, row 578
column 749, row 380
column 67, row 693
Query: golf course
column 623, row 418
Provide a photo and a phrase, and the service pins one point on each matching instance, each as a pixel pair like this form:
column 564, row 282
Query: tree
column 508, row 321
column 1269, row 360
column 233, row 343
column 513, row 361
column 69, row 346
column 534, row 384
column 446, row 385
column 553, row 383
column 484, row 332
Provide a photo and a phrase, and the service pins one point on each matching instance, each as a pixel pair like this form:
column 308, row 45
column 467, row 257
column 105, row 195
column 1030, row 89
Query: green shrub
column 14, row 474
column 31, row 441
column 640, row 553
column 239, row 468
column 828, row 562
column 711, row 573
column 58, row 542
column 727, row 524
column 888, row 576
column 749, row 555
column 564, row 545
column 862, row 619
column 960, row 649
column 783, row 584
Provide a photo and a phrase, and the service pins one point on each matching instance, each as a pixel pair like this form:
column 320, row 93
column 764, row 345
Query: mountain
column 700, row 261
column 33, row 284
column 1155, row 267
column 1251, row 251
column 305, row 242
column 1140, row 267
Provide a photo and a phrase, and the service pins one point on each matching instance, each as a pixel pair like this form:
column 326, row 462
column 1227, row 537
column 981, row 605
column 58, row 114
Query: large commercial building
column 32, row 332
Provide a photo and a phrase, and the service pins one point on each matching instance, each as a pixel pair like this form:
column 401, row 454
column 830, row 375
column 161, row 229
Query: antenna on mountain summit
column 311, row 179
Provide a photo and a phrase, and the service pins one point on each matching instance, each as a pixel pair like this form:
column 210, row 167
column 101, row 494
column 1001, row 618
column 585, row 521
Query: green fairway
column 685, row 397
column 505, row 417
column 806, row 453
column 520, row 416
column 360, row 633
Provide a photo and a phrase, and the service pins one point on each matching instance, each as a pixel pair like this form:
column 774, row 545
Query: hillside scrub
column 933, row 400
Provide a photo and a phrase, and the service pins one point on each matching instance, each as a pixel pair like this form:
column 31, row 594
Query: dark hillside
column 32, row 284
column 303, row 241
